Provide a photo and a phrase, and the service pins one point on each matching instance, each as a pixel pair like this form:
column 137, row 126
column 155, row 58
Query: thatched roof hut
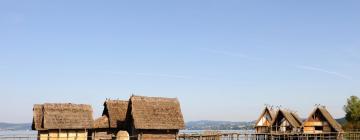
column 113, row 119
column 155, row 118
column 147, row 118
column 62, row 116
column 285, row 119
column 115, row 112
column 321, row 119
column 268, row 114
column 156, row 113
column 263, row 123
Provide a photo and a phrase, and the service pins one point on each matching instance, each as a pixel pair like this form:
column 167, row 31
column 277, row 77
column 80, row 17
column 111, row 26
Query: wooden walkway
column 269, row 136
column 238, row 136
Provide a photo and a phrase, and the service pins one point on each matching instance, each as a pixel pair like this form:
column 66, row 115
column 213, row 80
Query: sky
column 223, row 60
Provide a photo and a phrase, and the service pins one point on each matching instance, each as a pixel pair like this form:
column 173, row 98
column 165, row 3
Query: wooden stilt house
column 112, row 120
column 155, row 118
column 62, row 121
column 320, row 121
column 285, row 122
column 263, row 123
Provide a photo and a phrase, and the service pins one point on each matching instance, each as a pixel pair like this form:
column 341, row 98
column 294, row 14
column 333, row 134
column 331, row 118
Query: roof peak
column 151, row 97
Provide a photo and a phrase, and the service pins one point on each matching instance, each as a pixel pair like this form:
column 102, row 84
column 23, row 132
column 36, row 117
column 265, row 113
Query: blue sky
column 223, row 59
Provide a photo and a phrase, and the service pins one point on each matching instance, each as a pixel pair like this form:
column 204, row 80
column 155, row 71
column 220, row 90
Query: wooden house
column 320, row 121
column 113, row 119
column 154, row 118
column 263, row 123
column 62, row 121
column 286, row 122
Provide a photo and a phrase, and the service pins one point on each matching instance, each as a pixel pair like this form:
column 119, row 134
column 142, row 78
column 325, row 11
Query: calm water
column 18, row 133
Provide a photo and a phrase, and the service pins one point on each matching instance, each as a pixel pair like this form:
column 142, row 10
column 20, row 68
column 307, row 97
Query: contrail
column 344, row 76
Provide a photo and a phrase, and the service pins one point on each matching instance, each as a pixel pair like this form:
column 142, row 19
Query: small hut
column 62, row 121
column 320, row 121
column 113, row 119
column 155, row 118
column 263, row 123
column 286, row 122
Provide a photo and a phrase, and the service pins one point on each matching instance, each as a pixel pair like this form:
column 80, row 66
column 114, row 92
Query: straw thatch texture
column 330, row 119
column 297, row 117
column 333, row 123
column 37, row 117
column 62, row 116
column 102, row 122
column 67, row 116
column 289, row 116
column 116, row 111
column 156, row 113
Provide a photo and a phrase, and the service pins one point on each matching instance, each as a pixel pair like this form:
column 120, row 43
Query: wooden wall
column 158, row 137
column 157, row 134
column 62, row 135
column 102, row 135
column 310, row 127
column 262, row 129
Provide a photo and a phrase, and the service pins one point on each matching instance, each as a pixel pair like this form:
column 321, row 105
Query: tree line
column 352, row 110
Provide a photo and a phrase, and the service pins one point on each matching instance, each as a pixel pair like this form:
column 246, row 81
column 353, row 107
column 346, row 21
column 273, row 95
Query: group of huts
column 157, row 118
column 140, row 117
column 283, row 121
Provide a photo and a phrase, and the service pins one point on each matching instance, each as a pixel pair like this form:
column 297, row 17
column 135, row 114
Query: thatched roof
column 116, row 111
column 156, row 113
column 272, row 113
column 62, row 116
column 333, row 123
column 297, row 117
column 102, row 122
column 289, row 116
column 38, row 116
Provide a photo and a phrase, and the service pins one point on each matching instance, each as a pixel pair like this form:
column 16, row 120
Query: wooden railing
column 271, row 136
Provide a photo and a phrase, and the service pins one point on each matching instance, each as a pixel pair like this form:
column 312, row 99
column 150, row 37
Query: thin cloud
column 337, row 74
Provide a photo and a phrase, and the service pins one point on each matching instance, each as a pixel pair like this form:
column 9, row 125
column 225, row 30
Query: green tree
column 352, row 110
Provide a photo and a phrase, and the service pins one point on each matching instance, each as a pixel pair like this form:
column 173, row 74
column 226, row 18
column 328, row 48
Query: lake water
column 18, row 133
